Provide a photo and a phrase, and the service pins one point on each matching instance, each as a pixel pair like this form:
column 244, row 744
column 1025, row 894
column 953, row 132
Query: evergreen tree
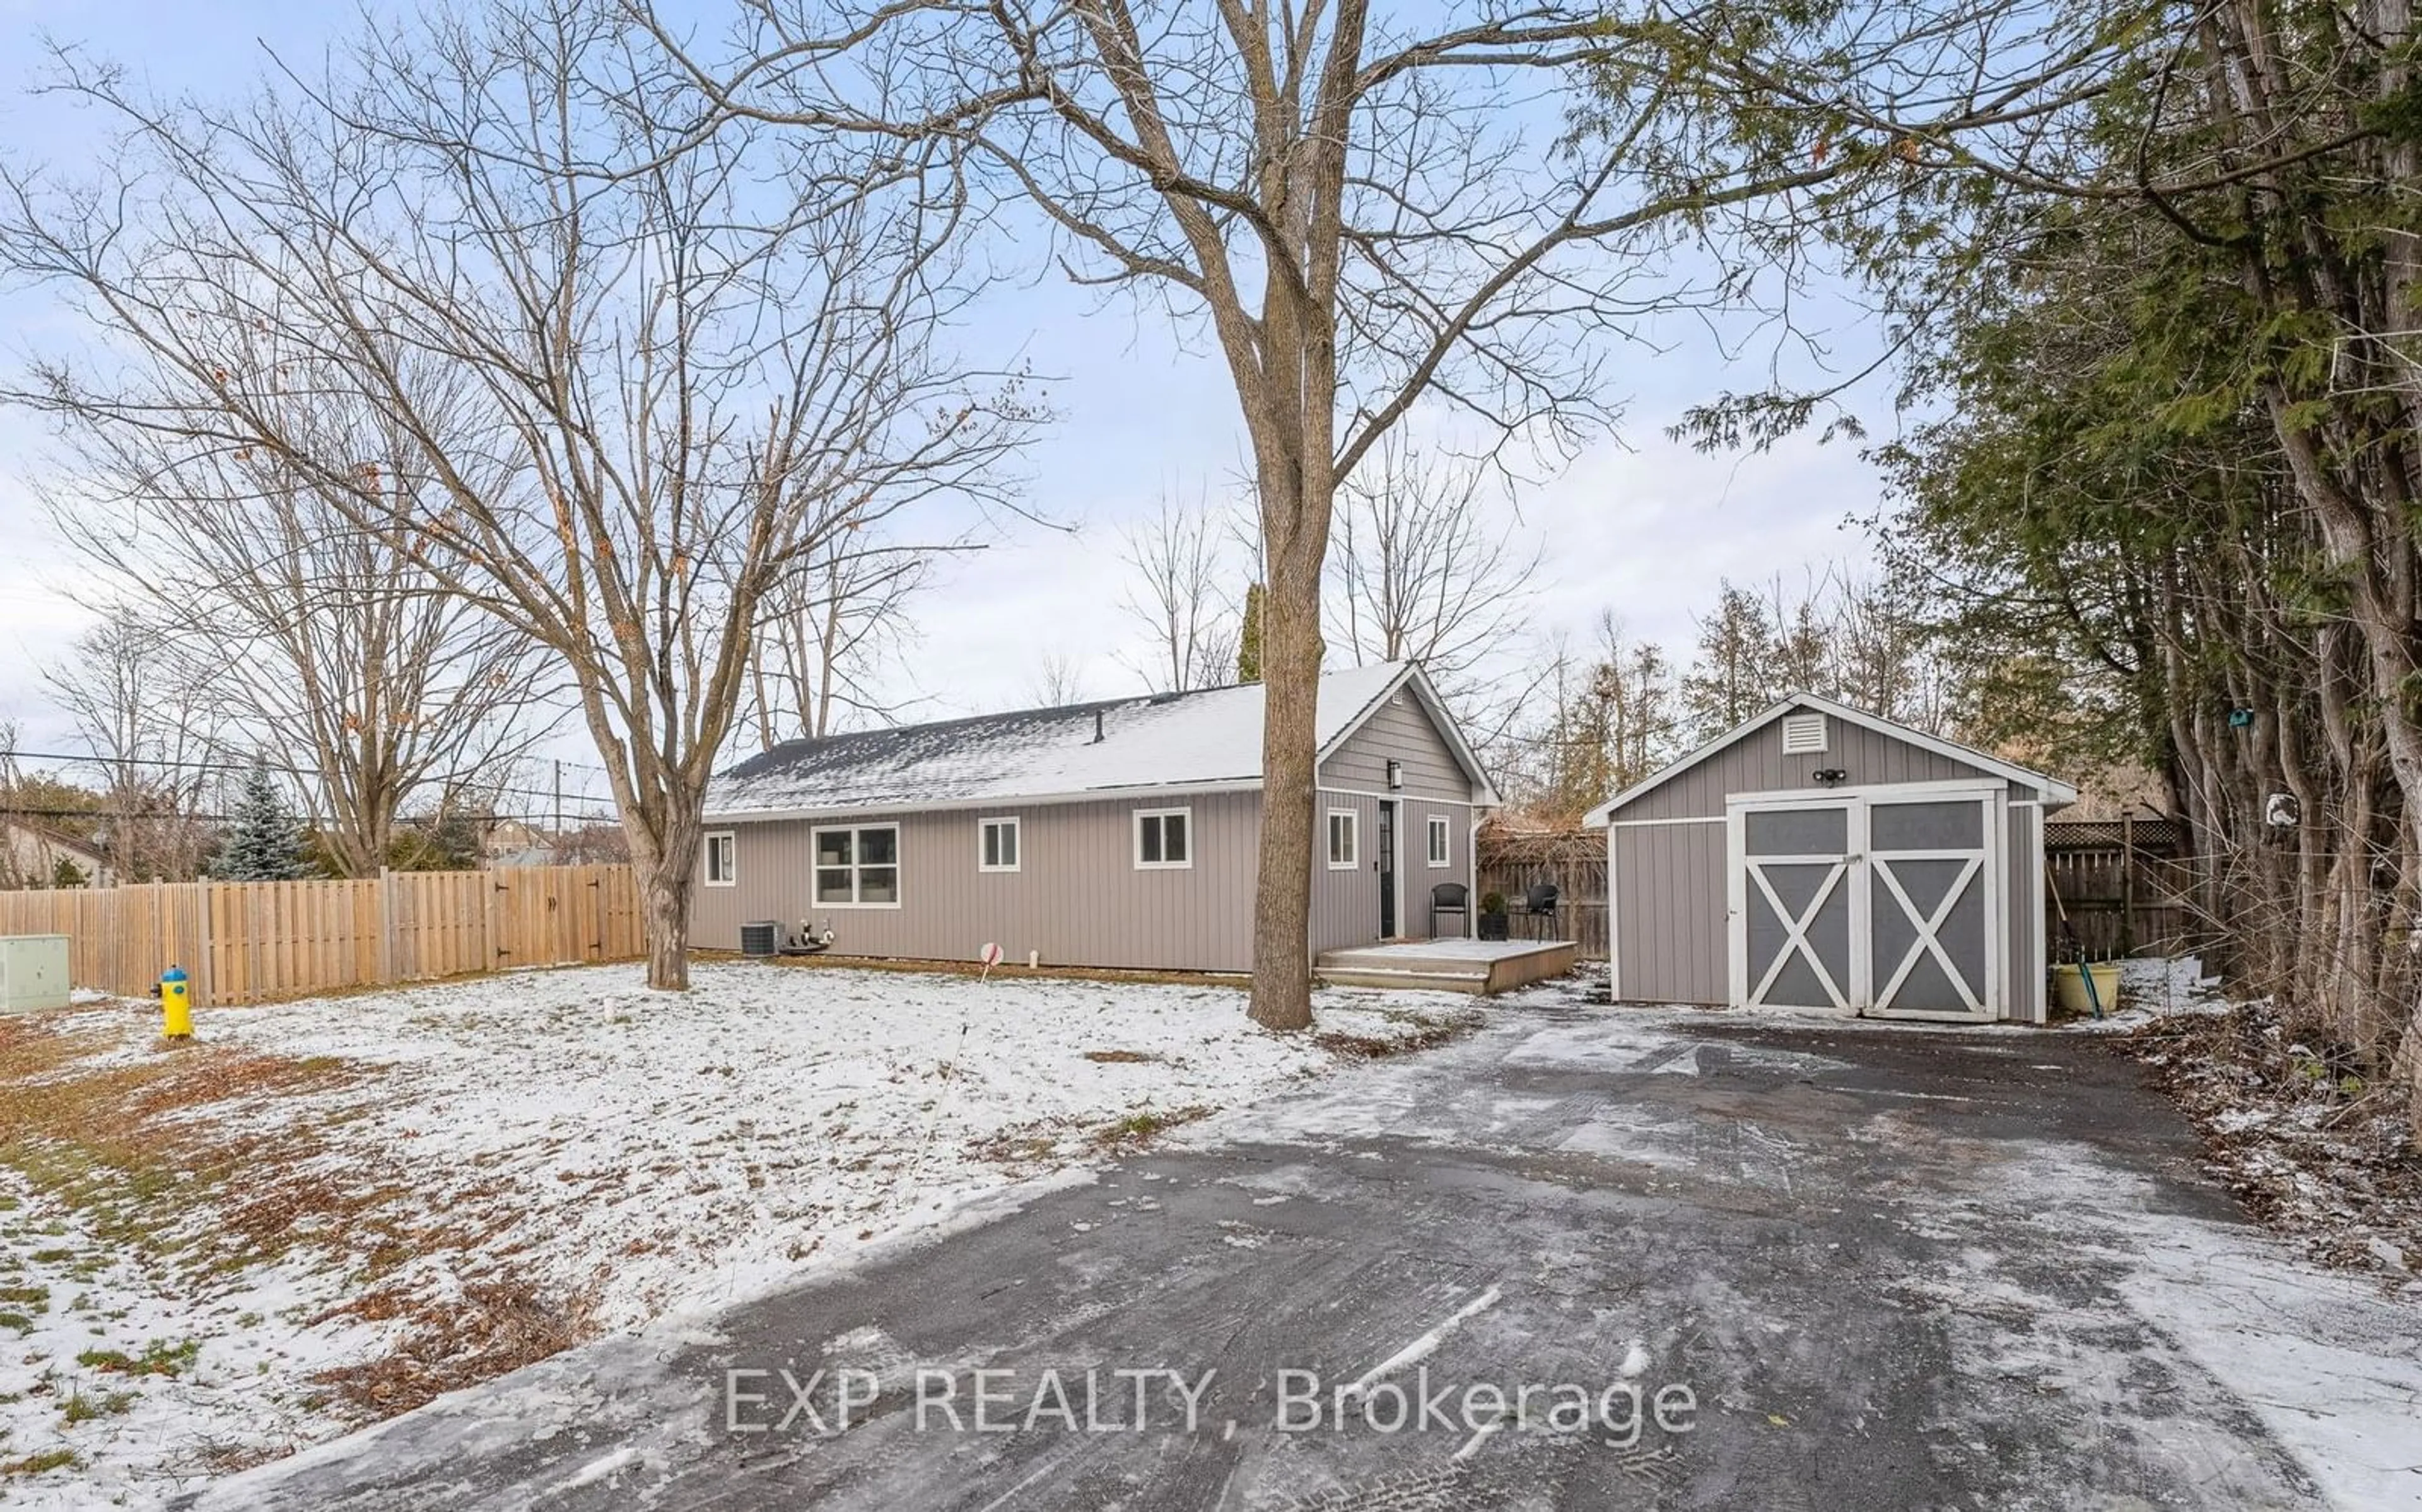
column 1734, row 674
column 262, row 844
column 1249, row 637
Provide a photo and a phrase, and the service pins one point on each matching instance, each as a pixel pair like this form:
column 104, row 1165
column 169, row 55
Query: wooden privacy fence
column 2120, row 881
column 1575, row 861
column 245, row 942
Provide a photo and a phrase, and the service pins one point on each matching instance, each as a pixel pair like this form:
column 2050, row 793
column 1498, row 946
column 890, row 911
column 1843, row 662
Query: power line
column 191, row 764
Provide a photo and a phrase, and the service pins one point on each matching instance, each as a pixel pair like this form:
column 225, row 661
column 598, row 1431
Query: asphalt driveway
column 1592, row 1257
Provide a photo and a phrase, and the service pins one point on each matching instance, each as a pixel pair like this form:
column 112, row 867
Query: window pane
column 878, row 847
column 1148, row 838
column 1437, row 840
column 832, row 847
column 878, row 884
column 832, row 887
column 1173, row 836
column 719, row 858
column 1008, row 844
column 992, row 845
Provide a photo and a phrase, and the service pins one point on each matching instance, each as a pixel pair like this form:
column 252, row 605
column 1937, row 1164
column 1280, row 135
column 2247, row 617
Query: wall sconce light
column 1395, row 775
column 1830, row 776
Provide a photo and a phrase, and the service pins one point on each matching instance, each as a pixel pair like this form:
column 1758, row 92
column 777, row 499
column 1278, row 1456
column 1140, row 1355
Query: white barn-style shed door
column 1885, row 902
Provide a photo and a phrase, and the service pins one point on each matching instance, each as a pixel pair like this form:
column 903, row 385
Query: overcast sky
column 1638, row 525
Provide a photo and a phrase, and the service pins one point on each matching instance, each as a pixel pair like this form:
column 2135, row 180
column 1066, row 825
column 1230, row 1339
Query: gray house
column 1822, row 857
column 1121, row 833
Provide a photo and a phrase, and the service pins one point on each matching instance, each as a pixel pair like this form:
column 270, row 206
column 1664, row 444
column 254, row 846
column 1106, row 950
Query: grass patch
column 19, row 1321
column 496, row 1327
column 1121, row 1057
column 1427, row 1033
column 159, row 1358
column 36, row 1298
column 122, row 1145
column 78, row 1408
column 36, row 1464
column 1138, row 1127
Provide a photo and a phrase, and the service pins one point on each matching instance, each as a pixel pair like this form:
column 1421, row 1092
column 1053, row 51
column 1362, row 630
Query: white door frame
column 1862, row 990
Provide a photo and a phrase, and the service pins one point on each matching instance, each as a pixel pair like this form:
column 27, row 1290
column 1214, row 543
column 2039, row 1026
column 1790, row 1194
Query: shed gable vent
column 1803, row 734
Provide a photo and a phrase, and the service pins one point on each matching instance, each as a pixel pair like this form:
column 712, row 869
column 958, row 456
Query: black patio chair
column 1540, row 905
column 1450, row 897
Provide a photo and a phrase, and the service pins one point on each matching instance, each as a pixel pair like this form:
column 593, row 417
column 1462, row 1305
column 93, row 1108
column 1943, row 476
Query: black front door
column 1386, row 869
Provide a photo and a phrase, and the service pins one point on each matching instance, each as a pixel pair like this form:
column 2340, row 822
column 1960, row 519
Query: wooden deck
column 1479, row 966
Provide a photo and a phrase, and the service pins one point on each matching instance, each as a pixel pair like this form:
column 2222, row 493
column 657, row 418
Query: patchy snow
column 2330, row 1366
column 1210, row 735
column 567, row 1136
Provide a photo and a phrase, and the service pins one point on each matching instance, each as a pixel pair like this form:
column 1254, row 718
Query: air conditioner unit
column 33, row 973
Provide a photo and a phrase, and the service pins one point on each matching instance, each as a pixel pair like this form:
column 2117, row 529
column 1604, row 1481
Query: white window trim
column 1353, row 818
column 707, row 859
column 1438, row 824
column 1135, row 839
column 900, row 870
column 1009, row 823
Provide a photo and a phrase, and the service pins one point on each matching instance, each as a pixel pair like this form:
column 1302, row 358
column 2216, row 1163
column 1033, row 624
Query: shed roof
column 2051, row 789
column 1209, row 739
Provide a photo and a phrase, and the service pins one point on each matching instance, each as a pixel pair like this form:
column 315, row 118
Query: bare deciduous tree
column 1057, row 681
column 1179, row 590
column 317, row 639
column 693, row 361
column 828, row 632
column 142, row 711
column 1421, row 573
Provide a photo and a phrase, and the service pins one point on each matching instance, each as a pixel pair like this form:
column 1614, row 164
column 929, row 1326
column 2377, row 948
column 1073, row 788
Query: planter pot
column 1492, row 925
column 2068, row 988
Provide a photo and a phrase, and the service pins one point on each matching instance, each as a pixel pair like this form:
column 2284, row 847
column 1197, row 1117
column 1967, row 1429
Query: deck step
column 1429, row 981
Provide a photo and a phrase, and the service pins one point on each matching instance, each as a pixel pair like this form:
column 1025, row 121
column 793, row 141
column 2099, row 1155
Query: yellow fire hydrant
column 176, row 1009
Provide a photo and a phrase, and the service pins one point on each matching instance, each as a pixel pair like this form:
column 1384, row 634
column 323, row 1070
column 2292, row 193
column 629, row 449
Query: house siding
column 1078, row 900
column 1346, row 904
column 1757, row 765
column 1401, row 730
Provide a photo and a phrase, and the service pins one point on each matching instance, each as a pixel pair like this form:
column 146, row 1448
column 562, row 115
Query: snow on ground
column 529, row 1159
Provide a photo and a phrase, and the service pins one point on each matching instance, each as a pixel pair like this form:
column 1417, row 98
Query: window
column 1803, row 734
column 859, row 868
column 722, row 860
column 1439, row 856
column 1343, row 823
column 995, row 845
column 1164, row 837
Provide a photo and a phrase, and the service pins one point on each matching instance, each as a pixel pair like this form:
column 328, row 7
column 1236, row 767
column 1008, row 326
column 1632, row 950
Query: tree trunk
column 664, row 912
column 1291, row 650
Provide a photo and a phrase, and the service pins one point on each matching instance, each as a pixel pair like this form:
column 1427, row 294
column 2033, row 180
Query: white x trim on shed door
column 1795, row 906
column 1882, row 901
column 1936, row 934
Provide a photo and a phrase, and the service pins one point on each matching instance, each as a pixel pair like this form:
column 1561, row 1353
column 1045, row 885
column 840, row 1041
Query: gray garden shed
column 1822, row 857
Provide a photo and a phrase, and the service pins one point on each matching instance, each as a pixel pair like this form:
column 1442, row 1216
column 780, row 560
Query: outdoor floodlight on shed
column 1396, row 774
column 1830, row 776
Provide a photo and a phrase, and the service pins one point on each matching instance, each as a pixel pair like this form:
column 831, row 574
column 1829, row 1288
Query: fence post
column 386, row 929
column 2126, row 882
column 487, row 919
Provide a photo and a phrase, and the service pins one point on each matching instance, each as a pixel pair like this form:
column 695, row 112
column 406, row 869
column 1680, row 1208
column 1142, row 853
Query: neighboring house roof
column 2052, row 790
column 1207, row 740
column 35, row 847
